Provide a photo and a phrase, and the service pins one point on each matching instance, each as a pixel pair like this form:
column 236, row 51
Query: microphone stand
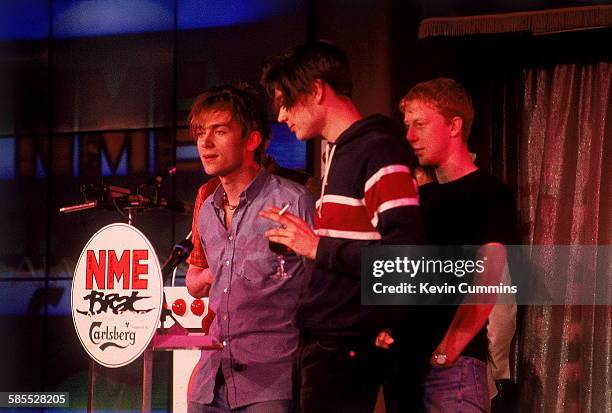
column 179, row 253
column 101, row 196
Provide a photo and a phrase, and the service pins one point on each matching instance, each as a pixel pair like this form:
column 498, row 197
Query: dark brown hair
column 295, row 71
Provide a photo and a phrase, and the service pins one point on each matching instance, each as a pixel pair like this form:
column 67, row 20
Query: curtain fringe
column 536, row 22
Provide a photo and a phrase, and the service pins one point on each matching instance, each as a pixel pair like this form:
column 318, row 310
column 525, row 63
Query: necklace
column 226, row 202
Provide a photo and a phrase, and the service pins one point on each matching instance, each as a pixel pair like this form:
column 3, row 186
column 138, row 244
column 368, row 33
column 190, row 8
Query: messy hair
column 294, row 71
column 245, row 107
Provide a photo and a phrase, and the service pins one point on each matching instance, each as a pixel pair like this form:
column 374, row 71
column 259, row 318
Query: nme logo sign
column 105, row 272
column 117, row 295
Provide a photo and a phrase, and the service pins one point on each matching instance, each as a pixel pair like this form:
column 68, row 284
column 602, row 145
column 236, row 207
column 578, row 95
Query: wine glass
column 281, row 251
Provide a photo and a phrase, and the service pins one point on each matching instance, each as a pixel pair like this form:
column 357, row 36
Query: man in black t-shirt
column 465, row 206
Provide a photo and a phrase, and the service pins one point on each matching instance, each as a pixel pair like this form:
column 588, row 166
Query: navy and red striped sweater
column 369, row 197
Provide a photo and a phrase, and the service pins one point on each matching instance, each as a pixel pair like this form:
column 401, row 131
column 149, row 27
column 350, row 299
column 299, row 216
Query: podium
column 175, row 338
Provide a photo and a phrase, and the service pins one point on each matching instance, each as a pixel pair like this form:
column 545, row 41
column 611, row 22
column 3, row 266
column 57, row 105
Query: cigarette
column 284, row 209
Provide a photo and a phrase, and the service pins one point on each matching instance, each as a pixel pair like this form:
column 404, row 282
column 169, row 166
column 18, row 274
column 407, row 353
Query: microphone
column 80, row 207
column 179, row 253
column 158, row 179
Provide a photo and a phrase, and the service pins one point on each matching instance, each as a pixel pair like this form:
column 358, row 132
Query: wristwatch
column 440, row 358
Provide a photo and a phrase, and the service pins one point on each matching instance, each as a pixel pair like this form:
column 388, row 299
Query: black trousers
column 344, row 374
column 338, row 373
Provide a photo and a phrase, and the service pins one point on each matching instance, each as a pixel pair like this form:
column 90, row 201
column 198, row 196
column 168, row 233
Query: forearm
column 467, row 322
column 471, row 318
column 401, row 227
column 340, row 256
column 198, row 281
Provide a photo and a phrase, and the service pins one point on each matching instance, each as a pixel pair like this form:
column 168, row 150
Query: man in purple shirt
column 254, row 292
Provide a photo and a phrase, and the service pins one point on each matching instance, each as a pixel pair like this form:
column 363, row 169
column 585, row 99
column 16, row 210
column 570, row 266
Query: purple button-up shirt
column 255, row 311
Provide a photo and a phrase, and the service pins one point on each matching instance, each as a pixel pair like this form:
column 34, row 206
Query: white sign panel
column 117, row 294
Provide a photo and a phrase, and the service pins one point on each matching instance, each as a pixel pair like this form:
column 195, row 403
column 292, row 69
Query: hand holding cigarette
column 284, row 209
column 294, row 232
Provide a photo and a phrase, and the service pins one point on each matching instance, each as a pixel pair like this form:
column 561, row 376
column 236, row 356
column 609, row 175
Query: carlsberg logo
column 106, row 337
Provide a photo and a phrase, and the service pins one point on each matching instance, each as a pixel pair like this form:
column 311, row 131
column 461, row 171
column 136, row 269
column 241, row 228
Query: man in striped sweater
column 368, row 197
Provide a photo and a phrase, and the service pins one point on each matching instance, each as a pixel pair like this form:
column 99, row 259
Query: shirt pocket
column 253, row 260
column 257, row 268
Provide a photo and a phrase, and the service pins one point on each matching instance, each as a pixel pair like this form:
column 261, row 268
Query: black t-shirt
column 475, row 209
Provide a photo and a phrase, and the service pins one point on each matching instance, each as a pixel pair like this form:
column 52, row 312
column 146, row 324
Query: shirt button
column 225, row 316
column 227, row 263
column 224, row 343
column 230, row 238
column 225, row 290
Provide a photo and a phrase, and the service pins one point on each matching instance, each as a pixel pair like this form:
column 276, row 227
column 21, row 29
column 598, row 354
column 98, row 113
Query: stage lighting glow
column 195, row 14
column 29, row 19
column 110, row 17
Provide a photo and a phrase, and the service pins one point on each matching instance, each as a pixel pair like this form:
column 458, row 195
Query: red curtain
column 561, row 165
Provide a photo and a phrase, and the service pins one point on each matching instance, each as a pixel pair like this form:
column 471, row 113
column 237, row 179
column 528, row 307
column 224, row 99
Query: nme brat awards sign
column 117, row 295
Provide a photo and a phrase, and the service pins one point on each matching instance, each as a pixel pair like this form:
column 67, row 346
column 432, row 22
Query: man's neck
column 340, row 116
column 234, row 183
column 458, row 165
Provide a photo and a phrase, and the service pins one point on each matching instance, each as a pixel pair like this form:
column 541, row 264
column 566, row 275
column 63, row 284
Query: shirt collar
column 249, row 193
